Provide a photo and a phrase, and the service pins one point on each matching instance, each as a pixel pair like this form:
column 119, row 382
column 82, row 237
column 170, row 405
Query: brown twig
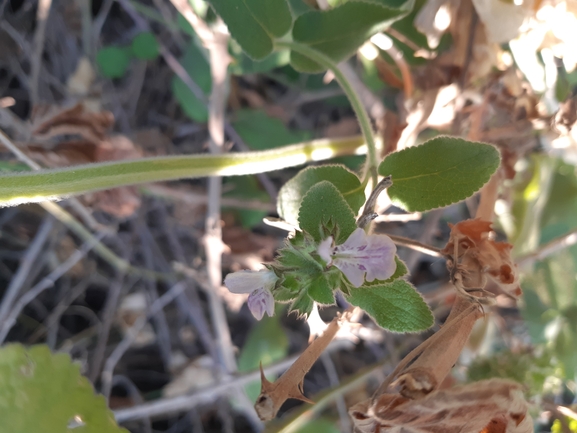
column 549, row 248
column 415, row 245
column 290, row 384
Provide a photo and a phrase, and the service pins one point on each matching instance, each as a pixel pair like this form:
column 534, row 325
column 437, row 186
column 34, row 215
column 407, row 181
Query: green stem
column 359, row 109
column 44, row 185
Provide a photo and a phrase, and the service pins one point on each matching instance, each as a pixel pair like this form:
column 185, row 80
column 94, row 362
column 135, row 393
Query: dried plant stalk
column 290, row 384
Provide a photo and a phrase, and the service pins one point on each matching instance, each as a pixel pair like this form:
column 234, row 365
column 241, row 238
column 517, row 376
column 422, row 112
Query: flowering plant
column 332, row 251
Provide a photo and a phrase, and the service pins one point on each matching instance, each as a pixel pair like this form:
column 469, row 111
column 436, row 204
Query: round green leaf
column 396, row 306
column 113, row 61
column 324, row 212
column 291, row 194
column 440, row 172
column 145, row 46
column 42, row 392
column 254, row 23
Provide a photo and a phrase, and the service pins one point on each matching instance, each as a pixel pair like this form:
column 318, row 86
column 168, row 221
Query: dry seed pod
column 473, row 257
column 489, row 406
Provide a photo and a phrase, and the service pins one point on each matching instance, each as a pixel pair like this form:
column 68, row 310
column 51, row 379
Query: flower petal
column 356, row 239
column 325, row 249
column 248, row 281
column 354, row 273
column 259, row 302
column 373, row 255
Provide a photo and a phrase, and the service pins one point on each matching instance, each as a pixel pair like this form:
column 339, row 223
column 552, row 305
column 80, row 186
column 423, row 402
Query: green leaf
column 266, row 343
column 145, row 46
column 324, row 212
column 254, row 24
column 198, row 68
column 261, row 132
column 396, row 306
column 339, row 32
column 42, row 392
column 243, row 65
column 440, row 172
column 113, row 61
column 321, row 290
column 291, row 194
column 299, row 7
column 303, row 305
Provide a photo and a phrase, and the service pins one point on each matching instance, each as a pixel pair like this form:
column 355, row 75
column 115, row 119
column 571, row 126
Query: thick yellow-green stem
column 55, row 184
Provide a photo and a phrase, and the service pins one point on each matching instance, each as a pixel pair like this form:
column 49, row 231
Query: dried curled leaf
column 490, row 406
column 52, row 121
column 473, row 257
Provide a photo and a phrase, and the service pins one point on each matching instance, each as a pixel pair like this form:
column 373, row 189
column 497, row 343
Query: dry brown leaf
column 489, row 406
column 473, row 257
column 50, row 121
column 290, row 384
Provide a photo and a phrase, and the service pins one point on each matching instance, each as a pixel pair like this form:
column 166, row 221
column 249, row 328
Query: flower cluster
column 361, row 257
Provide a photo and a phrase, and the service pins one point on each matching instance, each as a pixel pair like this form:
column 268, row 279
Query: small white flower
column 259, row 285
column 362, row 256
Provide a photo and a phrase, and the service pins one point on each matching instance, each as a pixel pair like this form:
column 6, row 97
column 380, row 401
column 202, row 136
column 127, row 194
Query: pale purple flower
column 362, row 256
column 259, row 285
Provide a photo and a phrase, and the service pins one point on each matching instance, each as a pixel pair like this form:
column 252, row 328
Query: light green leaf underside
column 42, row 392
column 440, row 172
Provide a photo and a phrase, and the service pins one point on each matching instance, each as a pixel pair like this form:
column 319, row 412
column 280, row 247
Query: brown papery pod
column 435, row 356
column 488, row 406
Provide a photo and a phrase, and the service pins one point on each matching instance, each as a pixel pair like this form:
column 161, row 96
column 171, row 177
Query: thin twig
column 415, row 245
column 216, row 41
column 56, row 314
column 44, row 284
column 329, row 366
column 108, row 314
column 160, row 322
column 131, row 335
column 38, row 47
column 26, row 264
column 186, row 402
column 549, row 248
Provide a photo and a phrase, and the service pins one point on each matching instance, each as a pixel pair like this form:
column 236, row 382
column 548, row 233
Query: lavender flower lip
column 361, row 257
column 259, row 285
